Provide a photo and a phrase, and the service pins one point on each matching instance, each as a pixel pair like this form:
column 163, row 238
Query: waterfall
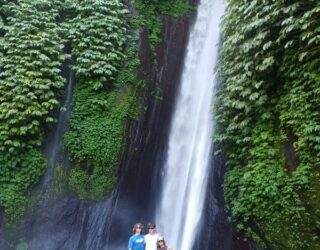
column 189, row 150
column 54, row 146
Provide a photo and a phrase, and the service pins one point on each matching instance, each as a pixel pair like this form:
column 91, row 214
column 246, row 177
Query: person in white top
column 151, row 239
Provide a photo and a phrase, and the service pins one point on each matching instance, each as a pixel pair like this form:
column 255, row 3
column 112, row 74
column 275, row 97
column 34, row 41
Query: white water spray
column 188, row 157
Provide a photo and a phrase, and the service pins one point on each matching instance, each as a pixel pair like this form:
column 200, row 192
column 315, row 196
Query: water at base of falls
column 190, row 140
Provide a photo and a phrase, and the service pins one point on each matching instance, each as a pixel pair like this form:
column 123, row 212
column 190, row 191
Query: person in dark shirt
column 162, row 244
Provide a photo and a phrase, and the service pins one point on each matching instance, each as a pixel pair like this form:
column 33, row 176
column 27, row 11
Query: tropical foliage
column 103, row 101
column 98, row 31
column 268, row 117
column 106, row 93
column 37, row 39
column 31, row 51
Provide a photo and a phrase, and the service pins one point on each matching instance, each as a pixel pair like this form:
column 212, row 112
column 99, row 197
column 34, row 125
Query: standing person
column 162, row 245
column 136, row 241
column 152, row 237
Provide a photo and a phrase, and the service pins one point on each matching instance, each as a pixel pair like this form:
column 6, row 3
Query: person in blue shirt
column 136, row 241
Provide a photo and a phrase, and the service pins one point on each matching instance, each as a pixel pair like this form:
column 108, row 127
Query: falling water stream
column 70, row 224
column 189, row 150
column 54, row 146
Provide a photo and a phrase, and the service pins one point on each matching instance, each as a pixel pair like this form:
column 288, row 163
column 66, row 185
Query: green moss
column 96, row 138
column 60, row 181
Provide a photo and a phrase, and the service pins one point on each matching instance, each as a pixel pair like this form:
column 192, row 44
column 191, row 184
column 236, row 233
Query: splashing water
column 189, row 150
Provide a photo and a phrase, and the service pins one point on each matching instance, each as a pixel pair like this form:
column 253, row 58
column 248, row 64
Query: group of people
column 150, row 241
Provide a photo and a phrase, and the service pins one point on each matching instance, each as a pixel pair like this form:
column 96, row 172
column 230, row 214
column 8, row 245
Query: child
column 162, row 244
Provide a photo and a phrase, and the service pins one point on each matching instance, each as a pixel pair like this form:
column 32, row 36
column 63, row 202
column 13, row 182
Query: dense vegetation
column 106, row 94
column 103, row 98
column 35, row 35
column 31, row 53
column 268, row 116
column 38, row 38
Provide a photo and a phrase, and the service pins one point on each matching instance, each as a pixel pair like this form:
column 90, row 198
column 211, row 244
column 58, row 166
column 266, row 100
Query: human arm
column 130, row 244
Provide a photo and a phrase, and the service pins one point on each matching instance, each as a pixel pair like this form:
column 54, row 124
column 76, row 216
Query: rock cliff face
column 136, row 197
column 140, row 171
column 67, row 223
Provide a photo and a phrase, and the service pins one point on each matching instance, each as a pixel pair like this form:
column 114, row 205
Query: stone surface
column 67, row 223
column 140, row 171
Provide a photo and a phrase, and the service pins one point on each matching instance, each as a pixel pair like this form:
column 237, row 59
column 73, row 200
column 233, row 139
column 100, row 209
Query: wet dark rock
column 291, row 159
column 215, row 232
column 140, row 171
column 66, row 222
column 71, row 224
